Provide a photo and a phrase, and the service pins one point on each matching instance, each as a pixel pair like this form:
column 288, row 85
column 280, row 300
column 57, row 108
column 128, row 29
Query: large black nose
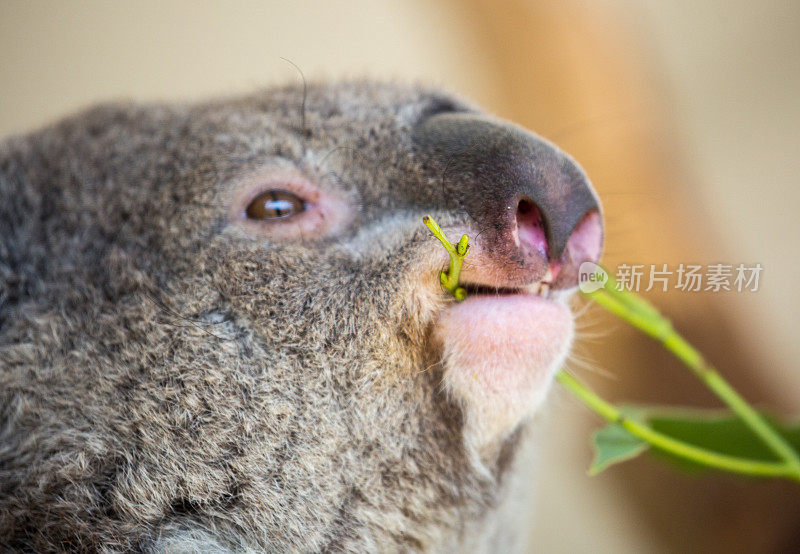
column 514, row 184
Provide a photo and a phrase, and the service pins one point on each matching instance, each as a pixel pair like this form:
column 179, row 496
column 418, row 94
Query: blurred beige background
column 686, row 115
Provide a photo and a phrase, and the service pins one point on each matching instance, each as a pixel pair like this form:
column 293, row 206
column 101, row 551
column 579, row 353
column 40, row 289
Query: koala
column 222, row 327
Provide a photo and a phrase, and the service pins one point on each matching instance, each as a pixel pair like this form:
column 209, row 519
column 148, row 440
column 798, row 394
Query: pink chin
column 500, row 354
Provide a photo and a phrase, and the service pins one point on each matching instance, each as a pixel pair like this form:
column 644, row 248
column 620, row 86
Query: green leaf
column 612, row 445
column 714, row 430
column 718, row 431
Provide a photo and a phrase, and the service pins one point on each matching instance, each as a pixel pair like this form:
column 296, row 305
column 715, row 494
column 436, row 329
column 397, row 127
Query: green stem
column 663, row 442
column 647, row 318
column 457, row 251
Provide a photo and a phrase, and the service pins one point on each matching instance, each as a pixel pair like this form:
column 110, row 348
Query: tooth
column 545, row 290
column 548, row 277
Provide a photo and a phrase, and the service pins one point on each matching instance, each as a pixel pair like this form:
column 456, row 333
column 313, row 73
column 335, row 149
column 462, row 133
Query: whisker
column 306, row 132
column 200, row 325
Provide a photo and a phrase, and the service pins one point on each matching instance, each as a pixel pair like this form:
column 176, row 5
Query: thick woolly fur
column 170, row 383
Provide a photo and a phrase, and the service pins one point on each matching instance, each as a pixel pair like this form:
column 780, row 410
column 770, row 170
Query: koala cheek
column 500, row 355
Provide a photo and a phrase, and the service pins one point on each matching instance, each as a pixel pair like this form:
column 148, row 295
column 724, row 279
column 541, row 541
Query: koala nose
column 533, row 204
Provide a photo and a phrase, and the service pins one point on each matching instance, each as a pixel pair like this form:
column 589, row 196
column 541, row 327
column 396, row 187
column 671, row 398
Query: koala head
column 222, row 326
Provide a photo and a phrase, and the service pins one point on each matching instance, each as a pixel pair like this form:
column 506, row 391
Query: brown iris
column 275, row 204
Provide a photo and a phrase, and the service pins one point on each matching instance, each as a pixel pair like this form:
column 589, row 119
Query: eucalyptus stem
column 667, row 444
column 642, row 315
column 457, row 251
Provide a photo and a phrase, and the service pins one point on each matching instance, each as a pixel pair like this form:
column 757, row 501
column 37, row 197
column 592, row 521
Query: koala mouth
column 547, row 287
column 543, row 289
column 501, row 348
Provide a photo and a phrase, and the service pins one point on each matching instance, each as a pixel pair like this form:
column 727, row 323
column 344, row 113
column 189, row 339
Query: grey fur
column 167, row 384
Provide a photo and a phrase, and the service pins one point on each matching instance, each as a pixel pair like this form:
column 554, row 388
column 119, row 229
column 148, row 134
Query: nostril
column 530, row 229
column 584, row 244
column 586, row 241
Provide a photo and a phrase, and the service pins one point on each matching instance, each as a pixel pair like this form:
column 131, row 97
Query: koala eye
column 275, row 204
